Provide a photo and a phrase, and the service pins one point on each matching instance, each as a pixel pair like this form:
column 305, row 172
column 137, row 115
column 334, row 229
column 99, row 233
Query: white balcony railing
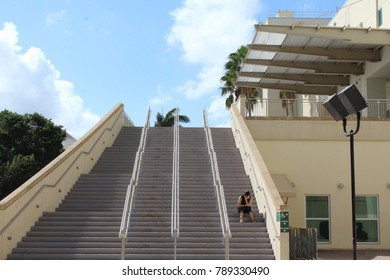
column 377, row 108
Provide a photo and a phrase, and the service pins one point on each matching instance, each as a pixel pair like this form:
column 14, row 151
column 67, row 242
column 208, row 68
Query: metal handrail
column 273, row 218
column 175, row 227
column 129, row 201
column 226, row 232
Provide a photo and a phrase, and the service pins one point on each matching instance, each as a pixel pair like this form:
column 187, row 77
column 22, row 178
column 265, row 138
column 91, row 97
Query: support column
column 376, row 89
column 241, row 105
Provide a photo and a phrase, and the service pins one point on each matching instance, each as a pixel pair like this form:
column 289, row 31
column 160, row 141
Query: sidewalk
column 347, row 254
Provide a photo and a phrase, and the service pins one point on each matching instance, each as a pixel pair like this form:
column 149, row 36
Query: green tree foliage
column 27, row 143
column 169, row 119
column 229, row 79
column 232, row 67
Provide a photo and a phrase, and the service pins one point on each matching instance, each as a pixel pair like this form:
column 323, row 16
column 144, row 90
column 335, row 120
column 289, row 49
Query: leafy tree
column 27, row 143
column 169, row 119
column 229, row 88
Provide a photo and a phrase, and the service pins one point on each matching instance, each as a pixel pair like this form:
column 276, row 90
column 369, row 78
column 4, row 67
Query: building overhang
column 351, row 35
column 309, row 59
column 284, row 186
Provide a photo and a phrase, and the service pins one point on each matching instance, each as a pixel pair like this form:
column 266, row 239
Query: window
column 367, row 223
column 380, row 17
column 317, row 216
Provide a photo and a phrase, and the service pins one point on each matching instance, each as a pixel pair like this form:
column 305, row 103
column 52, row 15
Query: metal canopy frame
column 309, row 59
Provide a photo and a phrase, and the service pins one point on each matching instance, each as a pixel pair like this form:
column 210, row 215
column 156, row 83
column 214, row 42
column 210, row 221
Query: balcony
column 378, row 109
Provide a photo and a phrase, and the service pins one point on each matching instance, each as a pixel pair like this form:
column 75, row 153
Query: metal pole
column 123, row 249
column 351, row 138
column 227, row 248
column 175, row 248
column 352, row 156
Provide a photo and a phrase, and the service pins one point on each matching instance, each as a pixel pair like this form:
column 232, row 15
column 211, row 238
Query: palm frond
column 169, row 119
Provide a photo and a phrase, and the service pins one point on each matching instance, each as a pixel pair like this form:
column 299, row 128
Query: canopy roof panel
column 309, row 59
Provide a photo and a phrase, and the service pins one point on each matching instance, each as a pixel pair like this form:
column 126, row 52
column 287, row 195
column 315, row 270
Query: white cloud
column 217, row 115
column 52, row 18
column 160, row 99
column 206, row 82
column 30, row 83
column 207, row 32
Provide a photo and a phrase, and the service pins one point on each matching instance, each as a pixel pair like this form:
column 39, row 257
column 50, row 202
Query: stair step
column 252, row 257
column 65, row 256
column 201, row 256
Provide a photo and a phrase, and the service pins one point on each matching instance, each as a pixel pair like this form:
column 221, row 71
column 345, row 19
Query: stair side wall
column 267, row 196
column 45, row 190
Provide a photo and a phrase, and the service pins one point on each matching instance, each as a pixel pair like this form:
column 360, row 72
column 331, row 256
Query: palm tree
column 232, row 67
column 288, row 98
column 169, row 119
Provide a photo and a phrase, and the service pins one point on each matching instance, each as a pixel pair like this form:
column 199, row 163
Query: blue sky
column 73, row 60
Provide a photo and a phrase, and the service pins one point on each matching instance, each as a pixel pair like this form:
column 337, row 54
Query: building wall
column 374, row 83
column 362, row 14
column 317, row 164
column 315, row 154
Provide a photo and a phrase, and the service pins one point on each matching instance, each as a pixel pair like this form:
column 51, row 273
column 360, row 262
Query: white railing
column 311, row 108
column 129, row 201
column 377, row 108
column 175, row 227
column 226, row 233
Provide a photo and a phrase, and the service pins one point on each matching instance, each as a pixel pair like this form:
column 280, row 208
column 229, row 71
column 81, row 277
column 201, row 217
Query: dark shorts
column 245, row 209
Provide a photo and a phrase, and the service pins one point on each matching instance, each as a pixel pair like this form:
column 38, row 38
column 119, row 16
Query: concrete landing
column 347, row 254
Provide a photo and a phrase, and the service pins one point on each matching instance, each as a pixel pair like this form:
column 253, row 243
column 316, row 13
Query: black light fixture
column 341, row 105
column 347, row 102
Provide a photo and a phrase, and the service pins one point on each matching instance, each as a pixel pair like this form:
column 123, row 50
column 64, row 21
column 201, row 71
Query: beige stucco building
column 305, row 144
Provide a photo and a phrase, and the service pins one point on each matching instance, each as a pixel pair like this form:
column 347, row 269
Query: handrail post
column 124, row 240
column 227, row 247
column 175, row 247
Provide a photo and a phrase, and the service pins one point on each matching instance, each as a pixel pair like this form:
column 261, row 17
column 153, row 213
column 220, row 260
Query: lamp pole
column 348, row 102
column 351, row 135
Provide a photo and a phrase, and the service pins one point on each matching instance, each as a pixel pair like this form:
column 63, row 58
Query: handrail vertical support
column 227, row 247
column 175, row 248
column 124, row 240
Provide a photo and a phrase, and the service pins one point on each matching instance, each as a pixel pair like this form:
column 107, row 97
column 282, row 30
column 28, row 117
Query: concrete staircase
column 86, row 224
column 250, row 241
column 149, row 235
column 200, row 225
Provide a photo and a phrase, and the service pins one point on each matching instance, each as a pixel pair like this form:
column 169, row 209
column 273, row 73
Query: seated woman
column 244, row 205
